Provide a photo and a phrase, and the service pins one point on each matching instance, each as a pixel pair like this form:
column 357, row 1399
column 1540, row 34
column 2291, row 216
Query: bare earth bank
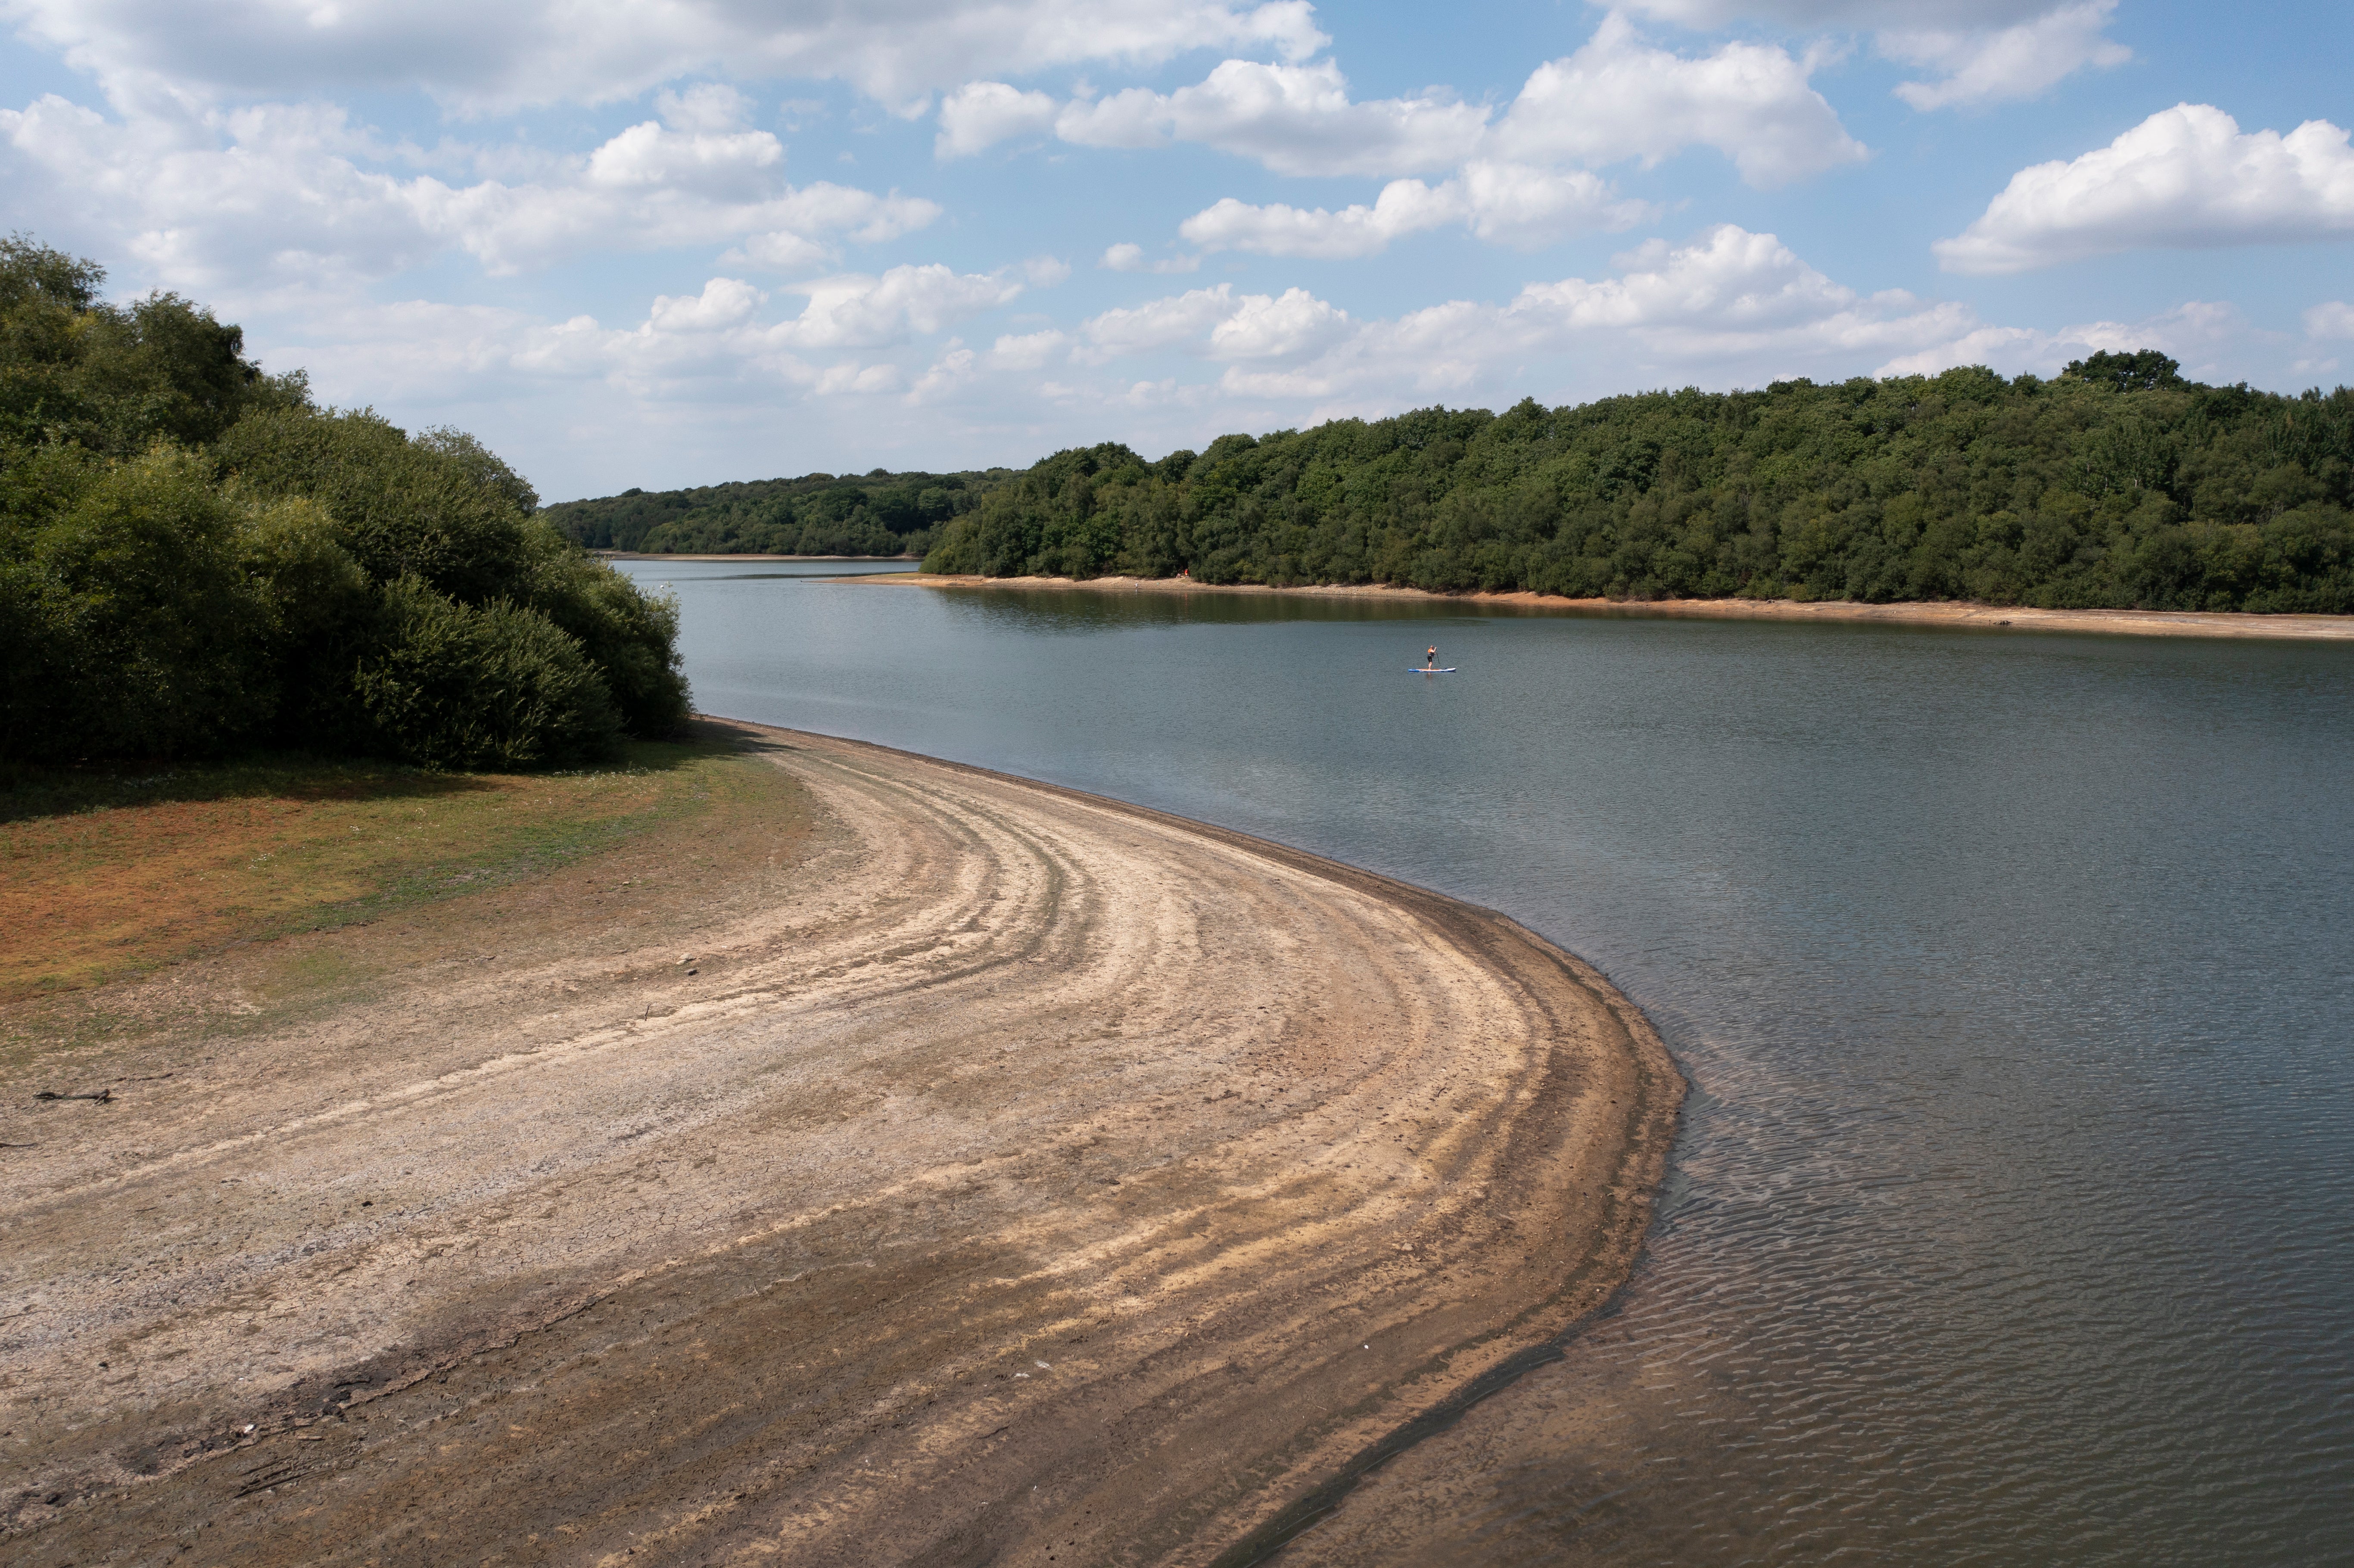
column 665, row 556
column 1985, row 617
column 1012, row 1176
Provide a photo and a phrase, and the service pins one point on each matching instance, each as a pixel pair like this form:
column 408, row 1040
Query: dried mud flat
column 1017, row 1177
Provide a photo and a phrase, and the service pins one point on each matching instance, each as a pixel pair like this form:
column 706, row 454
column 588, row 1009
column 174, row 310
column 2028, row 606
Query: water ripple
column 2013, row 1218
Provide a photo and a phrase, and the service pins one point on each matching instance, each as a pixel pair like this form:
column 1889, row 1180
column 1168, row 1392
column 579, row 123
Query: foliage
column 130, row 621
column 880, row 514
column 113, row 379
column 194, row 556
column 492, row 686
column 2115, row 484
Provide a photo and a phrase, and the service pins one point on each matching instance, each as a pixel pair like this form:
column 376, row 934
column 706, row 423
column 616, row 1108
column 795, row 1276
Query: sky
column 674, row 242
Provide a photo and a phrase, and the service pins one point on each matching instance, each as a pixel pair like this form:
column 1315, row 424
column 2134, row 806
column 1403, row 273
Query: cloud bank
column 1616, row 100
column 485, row 59
column 1991, row 51
column 285, row 194
column 2185, row 178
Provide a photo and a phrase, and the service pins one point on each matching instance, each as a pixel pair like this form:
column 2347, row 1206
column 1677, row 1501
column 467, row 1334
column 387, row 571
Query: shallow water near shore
column 2013, row 1216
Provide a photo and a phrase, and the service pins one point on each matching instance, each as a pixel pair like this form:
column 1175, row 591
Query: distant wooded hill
column 2119, row 483
column 2116, row 484
column 878, row 513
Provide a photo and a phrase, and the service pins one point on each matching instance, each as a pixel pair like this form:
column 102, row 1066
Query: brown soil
column 948, row 1170
column 1977, row 617
column 106, row 876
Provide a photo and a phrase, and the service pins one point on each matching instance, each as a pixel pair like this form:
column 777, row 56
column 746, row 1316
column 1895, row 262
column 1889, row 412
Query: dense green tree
column 880, row 514
column 192, row 556
column 493, row 686
column 2117, row 484
column 113, row 379
column 133, row 624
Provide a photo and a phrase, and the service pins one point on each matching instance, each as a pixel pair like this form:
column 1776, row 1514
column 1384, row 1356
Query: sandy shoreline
column 1012, row 1175
column 639, row 556
column 1976, row 617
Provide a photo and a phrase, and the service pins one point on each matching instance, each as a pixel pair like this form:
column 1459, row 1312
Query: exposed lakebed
column 2013, row 1216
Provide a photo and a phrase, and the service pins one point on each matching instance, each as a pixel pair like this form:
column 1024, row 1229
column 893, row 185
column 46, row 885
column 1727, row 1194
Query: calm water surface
column 2014, row 1217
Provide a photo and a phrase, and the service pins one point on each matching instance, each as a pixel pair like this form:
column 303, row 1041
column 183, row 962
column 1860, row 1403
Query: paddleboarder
column 1430, row 660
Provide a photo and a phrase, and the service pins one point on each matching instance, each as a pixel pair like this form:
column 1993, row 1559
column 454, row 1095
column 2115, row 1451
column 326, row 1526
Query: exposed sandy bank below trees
column 1978, row 617
column 1017, row 1176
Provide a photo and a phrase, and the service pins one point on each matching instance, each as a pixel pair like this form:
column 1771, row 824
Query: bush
column 631, row 636
column 443, row 509
column 498, row 685
column 129, row 623
column 192, row 556
column 401, row 508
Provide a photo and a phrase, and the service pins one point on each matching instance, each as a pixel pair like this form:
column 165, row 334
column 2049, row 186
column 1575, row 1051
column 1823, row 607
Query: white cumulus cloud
column 494, row 59
column 1728, row 297
column 1156, row 324
column 1294, row 119
column 1615, row 100
column 2186, row 177
column 706, row 106
column 1524, row 179
column 1730, row 300
column 1513, row 202
column 1272, row 328
column 1619, row 98
column 1028, row 350
column 298, row 194
column 724, row 302
column 1405, row 207
column 1521, row 204
column 1128, row 257
column 720, row 164
column 2017, row 62
column 1866, row 14
column 2334, row 319
column 1989, row 49
column 979, row 115
column 858, row 311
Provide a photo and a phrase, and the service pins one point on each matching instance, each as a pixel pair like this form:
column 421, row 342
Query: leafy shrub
column 497, row 686
column 401, row 507
column 193, row 555
column 631, row 636
column 131, row 622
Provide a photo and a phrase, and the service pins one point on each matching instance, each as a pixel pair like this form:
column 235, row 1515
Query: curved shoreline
column 667, row 556
column 1957, row 613
column 1031, row 1172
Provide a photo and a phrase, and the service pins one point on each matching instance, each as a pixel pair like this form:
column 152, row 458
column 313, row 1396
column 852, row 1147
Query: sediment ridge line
column 1023, row 1176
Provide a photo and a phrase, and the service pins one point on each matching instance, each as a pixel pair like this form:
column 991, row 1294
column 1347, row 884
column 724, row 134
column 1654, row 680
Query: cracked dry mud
column 1021, row 1177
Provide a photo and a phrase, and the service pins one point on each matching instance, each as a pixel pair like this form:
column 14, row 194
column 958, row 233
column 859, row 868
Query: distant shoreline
column 1977, row 617
column 643, row 555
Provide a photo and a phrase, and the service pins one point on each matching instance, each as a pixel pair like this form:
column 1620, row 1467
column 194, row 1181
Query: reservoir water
column 2012, row 1219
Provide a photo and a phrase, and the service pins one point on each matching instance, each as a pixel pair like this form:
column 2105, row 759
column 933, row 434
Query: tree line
column 2116, row 484
column 194, row 555
column 877, row 513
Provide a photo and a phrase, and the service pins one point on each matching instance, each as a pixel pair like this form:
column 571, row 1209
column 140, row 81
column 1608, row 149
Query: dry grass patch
column 106, row 875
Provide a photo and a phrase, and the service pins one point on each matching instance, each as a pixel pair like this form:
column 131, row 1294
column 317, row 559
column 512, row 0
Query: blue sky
column 671, row 244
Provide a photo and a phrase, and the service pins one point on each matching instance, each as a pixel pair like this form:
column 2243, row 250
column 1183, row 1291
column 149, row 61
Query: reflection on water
column 1053, row 610
column 2013, row 1218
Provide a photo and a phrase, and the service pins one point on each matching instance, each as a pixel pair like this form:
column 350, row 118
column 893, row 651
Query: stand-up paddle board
column 1428, row 670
